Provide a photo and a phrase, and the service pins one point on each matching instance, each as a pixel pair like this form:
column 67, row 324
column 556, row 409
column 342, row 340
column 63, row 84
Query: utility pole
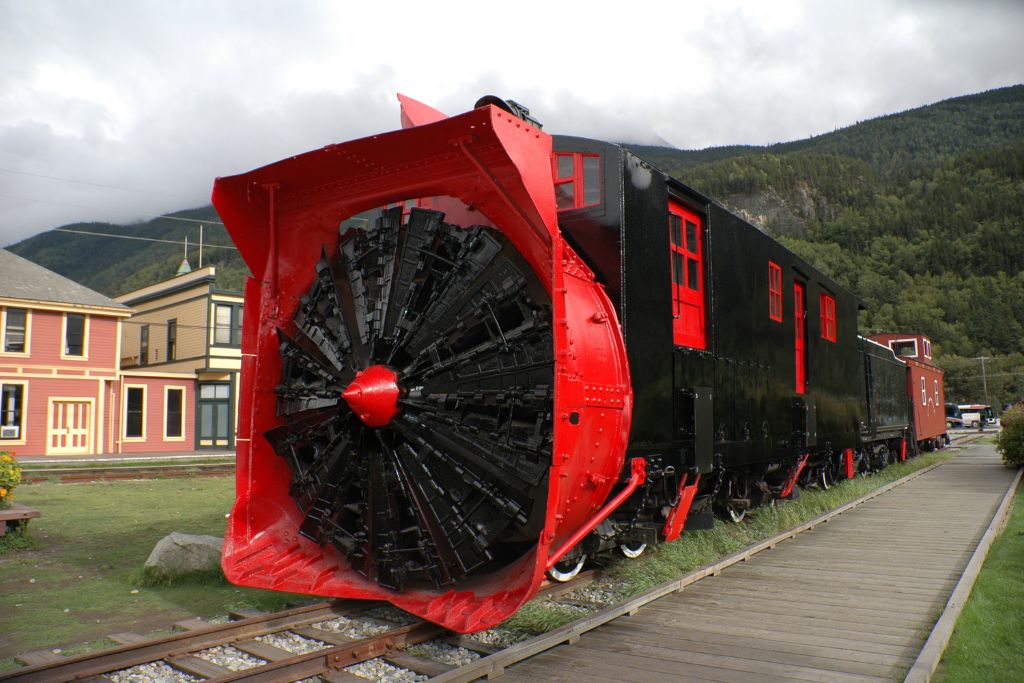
column 984, row 380
column 200, row 245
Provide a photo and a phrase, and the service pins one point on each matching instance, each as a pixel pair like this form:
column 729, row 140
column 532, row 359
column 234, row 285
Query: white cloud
column 159, row 98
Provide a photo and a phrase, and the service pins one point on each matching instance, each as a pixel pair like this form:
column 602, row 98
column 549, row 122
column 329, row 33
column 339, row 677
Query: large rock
column 182, row 553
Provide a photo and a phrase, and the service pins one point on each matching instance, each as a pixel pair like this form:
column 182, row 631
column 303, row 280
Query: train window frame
column 774, row 291
column 924, row 392
column 936, row 391
column 927, row 348
column 827, row 313
column 897, row 344
column 581, row 188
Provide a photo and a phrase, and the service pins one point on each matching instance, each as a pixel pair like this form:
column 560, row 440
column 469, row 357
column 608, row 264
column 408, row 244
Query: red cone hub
column 373, row 395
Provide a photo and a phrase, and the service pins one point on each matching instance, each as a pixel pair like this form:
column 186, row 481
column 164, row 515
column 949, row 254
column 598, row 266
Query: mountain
column 920, row 213
column 897, row 145
column 115, row 266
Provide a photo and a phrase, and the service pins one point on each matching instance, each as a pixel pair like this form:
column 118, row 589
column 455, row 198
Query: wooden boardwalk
column 852, row 600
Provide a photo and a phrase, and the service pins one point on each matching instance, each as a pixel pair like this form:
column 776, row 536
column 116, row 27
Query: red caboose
column 924, row 386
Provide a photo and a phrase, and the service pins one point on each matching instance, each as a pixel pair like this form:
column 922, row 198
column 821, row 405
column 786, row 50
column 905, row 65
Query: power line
column 92, row 208
column 83, row 182
column 143, row 239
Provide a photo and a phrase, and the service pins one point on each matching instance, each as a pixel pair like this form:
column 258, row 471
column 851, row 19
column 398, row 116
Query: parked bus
column 976, row 415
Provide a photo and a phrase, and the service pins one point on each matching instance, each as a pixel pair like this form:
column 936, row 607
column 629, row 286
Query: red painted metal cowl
column 490, row 175
column 373, row 395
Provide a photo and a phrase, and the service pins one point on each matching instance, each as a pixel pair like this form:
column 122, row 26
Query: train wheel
column 566, row 570
column 632, row 550
column 824, row 478
column 883, row 457
column 735, row 499
column 735, row 514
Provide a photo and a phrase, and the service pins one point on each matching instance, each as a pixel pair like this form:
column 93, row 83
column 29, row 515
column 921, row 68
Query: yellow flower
column 3, row 492
column 7, row 458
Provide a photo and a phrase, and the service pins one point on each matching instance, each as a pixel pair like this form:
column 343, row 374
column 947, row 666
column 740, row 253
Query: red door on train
column 799, row 336
column 685, row 239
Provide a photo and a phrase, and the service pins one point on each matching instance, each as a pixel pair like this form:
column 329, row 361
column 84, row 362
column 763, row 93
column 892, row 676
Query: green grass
column 698, row 548
column 986, row 644
column 75, row 583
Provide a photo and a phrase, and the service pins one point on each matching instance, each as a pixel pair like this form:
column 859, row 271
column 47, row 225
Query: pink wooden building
column 59, row 378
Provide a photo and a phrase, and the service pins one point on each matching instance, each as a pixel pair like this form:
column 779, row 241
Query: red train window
column 774, row 291
column 685, row 243
column 577, row 180
column 827, row 308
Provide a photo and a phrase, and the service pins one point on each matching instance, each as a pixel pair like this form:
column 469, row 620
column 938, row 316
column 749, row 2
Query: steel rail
column 79, row 474
column 339, row 652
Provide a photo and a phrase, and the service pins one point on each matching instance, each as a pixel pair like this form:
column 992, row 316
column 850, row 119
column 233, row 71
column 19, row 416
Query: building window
column 227, row 324
column 144, row 345
column 12, row 398
column 774, row 292
column 135, row 412
column 74, row 334
column 174, row 416
column 577, row 180
column 14, row 330
column 827, row 309
column 924, row 393
column 172, row 339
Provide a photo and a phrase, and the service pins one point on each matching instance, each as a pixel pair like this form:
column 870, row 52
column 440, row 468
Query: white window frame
column 64, row 336
column 924, row 392
column 124, row 413
column 167, row 390
column 927, row 349
column 28, row 333
column 23, row 427
column 896, row 342
column 936, row 391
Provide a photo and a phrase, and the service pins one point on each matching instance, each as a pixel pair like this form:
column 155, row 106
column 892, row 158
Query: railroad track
column 319, row 640
column 963, row 438
column 67, row 475
column 324, row 639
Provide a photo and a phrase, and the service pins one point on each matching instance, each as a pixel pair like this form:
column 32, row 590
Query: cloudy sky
column 119, row 110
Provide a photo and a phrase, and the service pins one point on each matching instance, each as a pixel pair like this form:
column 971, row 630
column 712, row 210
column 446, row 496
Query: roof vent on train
column 511, row 106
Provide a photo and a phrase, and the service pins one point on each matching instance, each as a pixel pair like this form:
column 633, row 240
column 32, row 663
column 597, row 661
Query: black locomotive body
column 721, row 396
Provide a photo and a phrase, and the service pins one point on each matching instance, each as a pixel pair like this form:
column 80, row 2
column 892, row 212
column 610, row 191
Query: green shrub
column 1011, row 439
column 10, row 476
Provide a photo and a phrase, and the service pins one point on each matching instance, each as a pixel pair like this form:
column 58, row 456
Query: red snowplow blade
column 284, row 218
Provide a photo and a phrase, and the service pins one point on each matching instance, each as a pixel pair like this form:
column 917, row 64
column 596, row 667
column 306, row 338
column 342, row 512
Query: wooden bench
column 15, row 516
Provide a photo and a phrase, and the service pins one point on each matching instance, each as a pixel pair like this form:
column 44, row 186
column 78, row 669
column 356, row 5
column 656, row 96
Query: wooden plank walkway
column 852, row 600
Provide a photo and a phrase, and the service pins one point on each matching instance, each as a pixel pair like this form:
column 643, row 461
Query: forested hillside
column 920, row 213
column 115, row 266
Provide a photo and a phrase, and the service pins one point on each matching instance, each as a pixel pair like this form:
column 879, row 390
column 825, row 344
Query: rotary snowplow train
column 475, row 354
